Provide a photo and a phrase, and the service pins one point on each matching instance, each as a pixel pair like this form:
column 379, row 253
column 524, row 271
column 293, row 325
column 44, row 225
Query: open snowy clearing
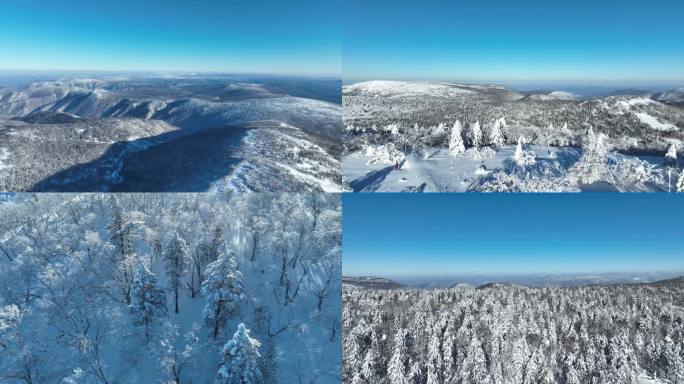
column 443, row 172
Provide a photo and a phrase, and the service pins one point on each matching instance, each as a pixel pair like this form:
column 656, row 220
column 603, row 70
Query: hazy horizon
column 530, row 279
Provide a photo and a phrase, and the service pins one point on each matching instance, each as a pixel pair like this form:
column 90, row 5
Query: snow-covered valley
column 170, row 288
column 64, row 135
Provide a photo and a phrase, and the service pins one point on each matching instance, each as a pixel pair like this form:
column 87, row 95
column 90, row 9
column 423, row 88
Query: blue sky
column 271, row 36
column 439, row 234
column 578, row 41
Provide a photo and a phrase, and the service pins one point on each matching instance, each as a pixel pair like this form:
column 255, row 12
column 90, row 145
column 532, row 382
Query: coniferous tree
column 176, row 258
column 222, row 288
column 240, row 362
column 147, row 301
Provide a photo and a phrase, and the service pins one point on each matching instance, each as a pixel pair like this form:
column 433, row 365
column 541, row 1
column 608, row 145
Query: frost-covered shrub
column 633, row 171
column 384, row 154
column 592, row 166
column 523, row 157
column 481, row 153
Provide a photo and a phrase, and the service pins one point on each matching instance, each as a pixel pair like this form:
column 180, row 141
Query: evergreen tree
column 147, row 301
column 496, row 137
column 240, row 362
column 222, row 288
column 176, row 257
column 456, row 146
column 475, row 134
column 398, row 365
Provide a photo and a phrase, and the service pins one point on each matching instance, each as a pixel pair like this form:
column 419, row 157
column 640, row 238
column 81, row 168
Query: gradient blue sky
column 389, row 234
column 270, row 36
column 574, row 41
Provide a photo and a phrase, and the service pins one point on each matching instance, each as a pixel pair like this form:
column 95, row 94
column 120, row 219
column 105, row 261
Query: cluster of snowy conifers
column 515, row 334
column 170, row 288
column 475, row 142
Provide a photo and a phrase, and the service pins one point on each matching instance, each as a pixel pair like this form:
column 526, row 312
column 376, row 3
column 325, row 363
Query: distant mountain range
column 373, row 282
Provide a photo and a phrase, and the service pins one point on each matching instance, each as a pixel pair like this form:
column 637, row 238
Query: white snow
column 406, row 88
column 443, row 171
column 4, row 156
column 636, row 101
column 654, row 123
column 646, row 379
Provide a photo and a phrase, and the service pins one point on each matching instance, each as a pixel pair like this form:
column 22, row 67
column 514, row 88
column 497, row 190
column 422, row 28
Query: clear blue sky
column 269, row 36
column 389, row 234
column 605, row 41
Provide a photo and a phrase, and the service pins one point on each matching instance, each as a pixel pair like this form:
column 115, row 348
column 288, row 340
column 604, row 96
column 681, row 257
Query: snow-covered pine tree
column 671, row 156
column 671, row 164
column 222, row 288
column 398, row 368
column 240, row 362
column 475, row 134
column 147, row 301
column 456, row 145
column 592, row 166
column 176, row 258
column 496, row 137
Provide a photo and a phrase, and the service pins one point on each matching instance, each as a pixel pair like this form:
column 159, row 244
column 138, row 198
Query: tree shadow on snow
column 371, row 181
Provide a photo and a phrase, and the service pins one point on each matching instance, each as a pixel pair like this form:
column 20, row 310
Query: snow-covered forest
column 609, row 334
column 170, row 288
column 413, row 136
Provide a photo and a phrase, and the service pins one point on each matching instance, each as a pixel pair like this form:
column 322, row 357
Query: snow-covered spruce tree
column 475, row 134
column 240, row 363
column 176, row 258
column 398, row 368
column 671, row 156
column 592, row 166
column 680, row 183
column 523, row 157
column 456, row 145
column 496, row 137
column 671, row 164
column 147, row 301
column 222, row 288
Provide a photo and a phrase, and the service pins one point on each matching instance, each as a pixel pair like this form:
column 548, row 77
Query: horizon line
column 173, row 71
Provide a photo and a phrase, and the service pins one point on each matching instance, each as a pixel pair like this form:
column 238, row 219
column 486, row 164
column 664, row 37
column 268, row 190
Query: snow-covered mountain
column 427, row 137
column 371, row 282
column 554, row 95
column 49, row 144
column 373, row 107
column 253, row 120
column 672, row 96
column 442, row 90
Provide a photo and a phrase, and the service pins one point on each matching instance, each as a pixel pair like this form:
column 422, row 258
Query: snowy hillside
column 493, row 139
column 412, row 89
column 370, row 282
column 512, row 334
column 170, row 288
column 35, row 152
column 233, row 112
